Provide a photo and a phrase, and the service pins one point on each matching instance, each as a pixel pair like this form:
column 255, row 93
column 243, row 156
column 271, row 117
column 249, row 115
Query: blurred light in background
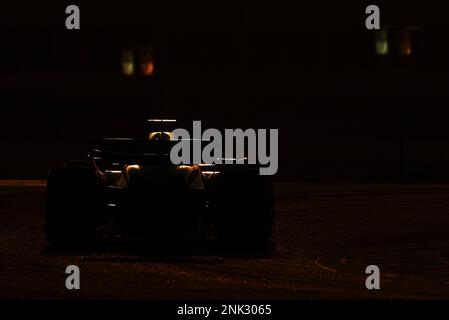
column 406, row 43
column 138, row 61
column 146, row 62
column 128, row 62
column 382, row 46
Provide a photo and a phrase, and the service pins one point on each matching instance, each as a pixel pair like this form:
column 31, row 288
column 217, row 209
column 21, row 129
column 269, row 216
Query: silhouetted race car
column 132, row 186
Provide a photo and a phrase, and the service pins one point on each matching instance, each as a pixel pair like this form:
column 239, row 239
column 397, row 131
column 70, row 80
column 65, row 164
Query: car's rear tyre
column 72, row 205
column 244, row 204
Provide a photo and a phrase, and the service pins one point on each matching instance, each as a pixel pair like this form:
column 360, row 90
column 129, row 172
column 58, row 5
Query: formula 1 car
column 132, row 184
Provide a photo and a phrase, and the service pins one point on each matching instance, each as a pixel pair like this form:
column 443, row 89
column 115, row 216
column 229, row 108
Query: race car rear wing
column 161, row 125
column 135, row 151
column 130, row 150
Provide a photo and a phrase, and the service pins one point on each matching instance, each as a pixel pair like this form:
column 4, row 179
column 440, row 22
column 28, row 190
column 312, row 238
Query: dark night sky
column 344, row 114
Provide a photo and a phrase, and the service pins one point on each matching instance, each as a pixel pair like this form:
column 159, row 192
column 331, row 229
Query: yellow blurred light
column 382, row 46
column 128, row 63
column 128, row 68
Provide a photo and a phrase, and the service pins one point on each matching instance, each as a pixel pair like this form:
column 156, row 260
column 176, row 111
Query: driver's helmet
column 161, row 135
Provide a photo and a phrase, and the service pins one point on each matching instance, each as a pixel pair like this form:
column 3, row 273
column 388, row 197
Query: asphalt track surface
column 325, row 237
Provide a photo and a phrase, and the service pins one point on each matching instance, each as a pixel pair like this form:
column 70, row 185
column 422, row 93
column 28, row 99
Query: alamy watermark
column 206, row 147
column 72, row 282
column 373, row 280
column 73, row 19
column 72, row 22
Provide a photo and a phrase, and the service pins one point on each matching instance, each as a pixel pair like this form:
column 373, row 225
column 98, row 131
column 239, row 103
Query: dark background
column 344, row 114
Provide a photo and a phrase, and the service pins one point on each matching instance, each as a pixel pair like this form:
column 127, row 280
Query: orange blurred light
column 406, row 44
column 408, row 51
column 148, row 68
